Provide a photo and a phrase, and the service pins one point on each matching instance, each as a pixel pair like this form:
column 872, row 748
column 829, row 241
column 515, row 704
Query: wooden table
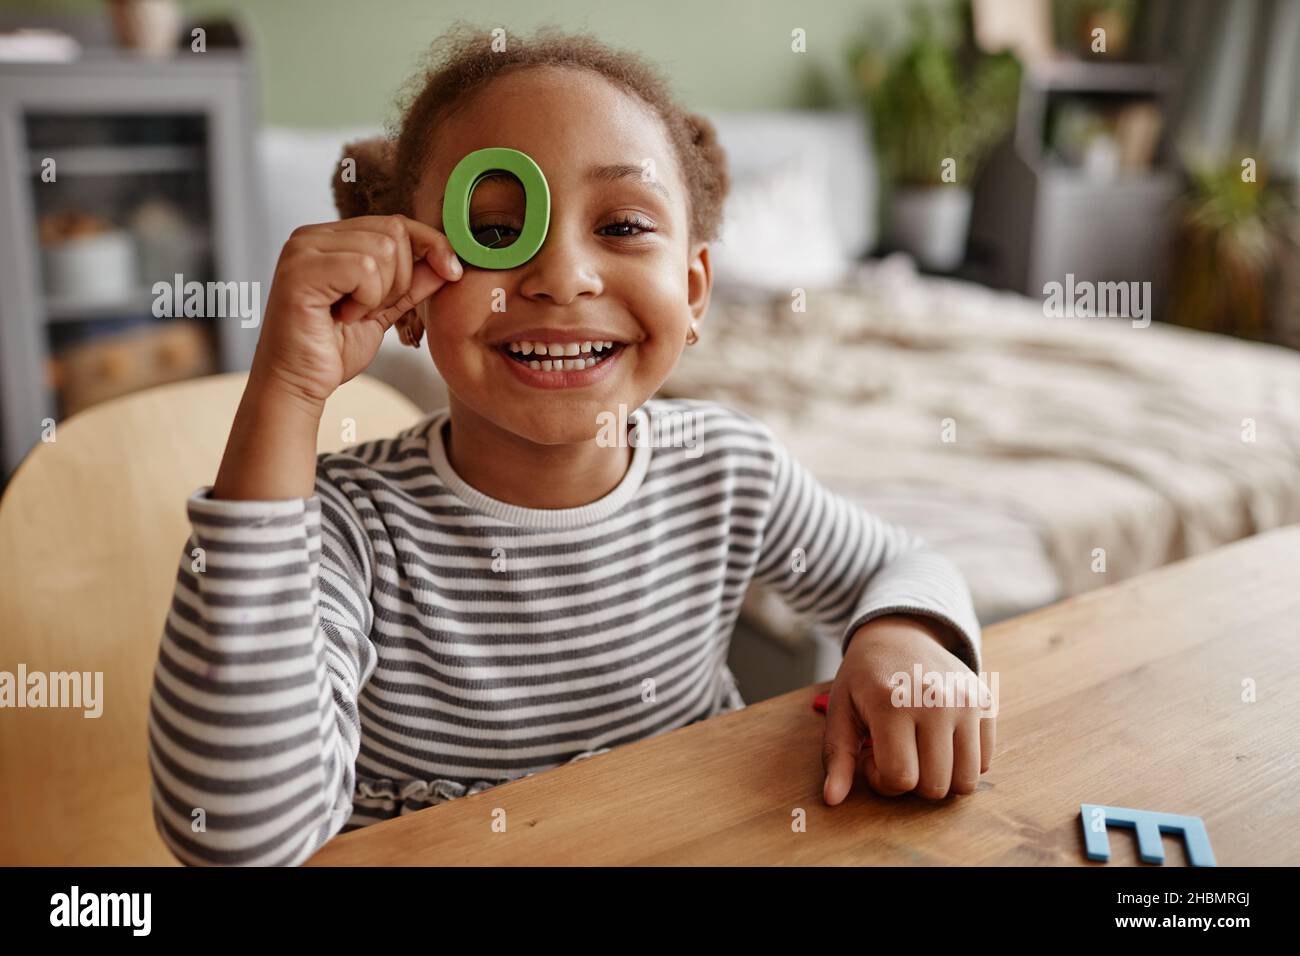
column 1127, row 696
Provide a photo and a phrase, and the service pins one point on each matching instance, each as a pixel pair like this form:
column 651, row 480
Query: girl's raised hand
column 338, row 288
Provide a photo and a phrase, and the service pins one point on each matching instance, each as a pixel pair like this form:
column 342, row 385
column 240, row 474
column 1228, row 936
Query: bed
column 1084, row 451
column 1081, row 451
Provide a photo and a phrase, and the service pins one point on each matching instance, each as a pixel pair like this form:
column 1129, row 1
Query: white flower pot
column 92, row 270
column 931, row 224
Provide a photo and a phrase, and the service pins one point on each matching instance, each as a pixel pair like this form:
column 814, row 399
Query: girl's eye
column 626, row 224
column 494, row 235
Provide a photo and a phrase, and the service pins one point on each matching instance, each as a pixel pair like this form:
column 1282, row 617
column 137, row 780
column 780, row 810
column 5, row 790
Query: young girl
column 502, row 588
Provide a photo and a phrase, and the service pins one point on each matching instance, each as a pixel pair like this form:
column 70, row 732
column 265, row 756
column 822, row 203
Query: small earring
column 410, row 329
column 693, row 334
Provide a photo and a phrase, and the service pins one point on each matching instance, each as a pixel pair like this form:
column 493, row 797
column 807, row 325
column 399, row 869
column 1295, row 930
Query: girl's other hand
column 931, row 751
column 338, row 288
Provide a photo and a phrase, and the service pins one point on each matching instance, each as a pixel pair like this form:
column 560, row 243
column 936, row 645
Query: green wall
column 336, row 62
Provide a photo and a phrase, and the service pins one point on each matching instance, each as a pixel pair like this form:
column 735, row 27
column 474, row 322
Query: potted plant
column 937, row 109
column 1114, row 18
column 1232, row 233
column 147, row 27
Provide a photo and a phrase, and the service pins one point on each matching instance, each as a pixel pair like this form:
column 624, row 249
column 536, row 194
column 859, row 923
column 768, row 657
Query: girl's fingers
column 417, row 242
column 354, row 277
column 403, row 261
column 840, row 745
column 425, row 241
column 891, row 765
column 379, row 247
column 934, row 742
column 988, row 737
column 966, row 756
column 424, row 283
column 434, row 247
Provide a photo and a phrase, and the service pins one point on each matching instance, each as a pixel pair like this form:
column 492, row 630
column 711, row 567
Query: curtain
column 1239, row 62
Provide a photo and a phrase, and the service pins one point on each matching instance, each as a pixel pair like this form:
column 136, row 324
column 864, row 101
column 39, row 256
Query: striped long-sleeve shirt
column 399, row 639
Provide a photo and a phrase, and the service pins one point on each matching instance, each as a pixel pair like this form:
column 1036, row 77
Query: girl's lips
column 576, row 378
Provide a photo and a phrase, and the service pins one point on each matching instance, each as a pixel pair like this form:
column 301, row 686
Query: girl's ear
column 363, row 182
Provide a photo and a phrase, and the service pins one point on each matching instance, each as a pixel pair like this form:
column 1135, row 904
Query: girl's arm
column 853, row 567
column 898, row 606
column 253, row 726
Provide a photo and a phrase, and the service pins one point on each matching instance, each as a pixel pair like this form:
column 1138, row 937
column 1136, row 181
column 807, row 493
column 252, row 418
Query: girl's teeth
column 562, row 356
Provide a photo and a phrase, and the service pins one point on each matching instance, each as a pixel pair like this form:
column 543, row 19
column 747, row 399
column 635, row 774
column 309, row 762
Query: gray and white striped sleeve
column 253, row 723
column 851, row 566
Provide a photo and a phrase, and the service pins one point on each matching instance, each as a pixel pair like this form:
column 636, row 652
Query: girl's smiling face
column 618, row 264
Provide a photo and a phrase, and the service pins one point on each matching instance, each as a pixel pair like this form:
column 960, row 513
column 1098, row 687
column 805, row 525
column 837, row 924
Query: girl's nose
column 561, row 271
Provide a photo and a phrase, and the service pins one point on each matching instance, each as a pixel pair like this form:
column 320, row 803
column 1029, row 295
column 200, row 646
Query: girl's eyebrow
column 617, row 171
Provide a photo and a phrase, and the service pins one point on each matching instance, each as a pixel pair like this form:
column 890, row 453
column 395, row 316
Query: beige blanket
column 1128, row 446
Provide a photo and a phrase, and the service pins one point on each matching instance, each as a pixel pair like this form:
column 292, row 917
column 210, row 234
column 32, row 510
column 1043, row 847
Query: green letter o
column 537, row 207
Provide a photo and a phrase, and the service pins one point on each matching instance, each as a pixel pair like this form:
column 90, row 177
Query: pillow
column 298, row 166
column 778, row 231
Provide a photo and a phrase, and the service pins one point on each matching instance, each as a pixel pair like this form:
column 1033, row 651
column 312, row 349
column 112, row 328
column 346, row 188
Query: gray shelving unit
column 213, row 93
column 1035, row 220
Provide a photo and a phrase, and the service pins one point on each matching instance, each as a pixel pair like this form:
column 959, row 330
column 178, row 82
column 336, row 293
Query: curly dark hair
column 389, row 168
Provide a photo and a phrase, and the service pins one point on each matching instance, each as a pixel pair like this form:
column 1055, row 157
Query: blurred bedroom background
column 1019, row 274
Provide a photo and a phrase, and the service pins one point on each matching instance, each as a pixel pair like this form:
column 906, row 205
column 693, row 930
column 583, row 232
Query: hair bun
column 714, row 176
column 703, row 132
column 363, row 179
